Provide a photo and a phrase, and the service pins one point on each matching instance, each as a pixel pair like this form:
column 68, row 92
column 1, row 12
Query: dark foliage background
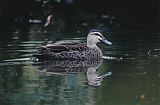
column 18, row 12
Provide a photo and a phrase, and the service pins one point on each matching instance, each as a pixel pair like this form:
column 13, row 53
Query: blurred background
column 133, row 60
column 135, row 15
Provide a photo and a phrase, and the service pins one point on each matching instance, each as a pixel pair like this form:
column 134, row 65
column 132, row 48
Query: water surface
column 131, row 65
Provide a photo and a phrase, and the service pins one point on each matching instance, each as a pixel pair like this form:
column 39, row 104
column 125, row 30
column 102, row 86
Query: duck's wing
column 63, row 47
column 51, row 51
column 61, row 50
column 67, row 42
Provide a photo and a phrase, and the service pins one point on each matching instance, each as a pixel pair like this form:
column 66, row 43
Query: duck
column 72, row 50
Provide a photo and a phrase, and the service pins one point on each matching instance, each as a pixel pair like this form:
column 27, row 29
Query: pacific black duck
column 66, row 50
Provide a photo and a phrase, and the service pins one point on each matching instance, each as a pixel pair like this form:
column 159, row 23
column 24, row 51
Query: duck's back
column 71, row 51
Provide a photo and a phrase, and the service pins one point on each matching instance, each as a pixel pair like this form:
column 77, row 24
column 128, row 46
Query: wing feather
column 62, row 51
column 64, row 47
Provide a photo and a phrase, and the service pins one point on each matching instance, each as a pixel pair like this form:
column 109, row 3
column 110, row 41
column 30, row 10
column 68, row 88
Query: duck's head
column 95, row 36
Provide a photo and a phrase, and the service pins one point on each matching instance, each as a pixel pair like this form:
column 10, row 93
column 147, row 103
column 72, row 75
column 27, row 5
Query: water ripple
column 154, row 53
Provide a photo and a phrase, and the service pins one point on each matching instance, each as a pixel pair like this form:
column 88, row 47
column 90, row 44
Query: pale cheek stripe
column 99, row 37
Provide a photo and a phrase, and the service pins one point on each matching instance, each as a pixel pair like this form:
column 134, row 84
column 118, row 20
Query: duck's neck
column 94, row 46
column 90, row 43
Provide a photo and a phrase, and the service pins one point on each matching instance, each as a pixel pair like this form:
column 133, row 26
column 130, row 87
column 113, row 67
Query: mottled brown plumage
column 70, row 50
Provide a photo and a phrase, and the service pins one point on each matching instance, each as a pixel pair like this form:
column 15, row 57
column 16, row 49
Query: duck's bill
column 106, row 42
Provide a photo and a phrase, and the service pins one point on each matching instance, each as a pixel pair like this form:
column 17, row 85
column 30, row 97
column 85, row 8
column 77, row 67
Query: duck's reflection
column 64, row 67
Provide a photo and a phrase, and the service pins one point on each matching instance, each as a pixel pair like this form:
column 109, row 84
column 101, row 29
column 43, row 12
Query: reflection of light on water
column 120, row 57
column 20, row 52
column 112, row 58
column 19, row 61
column 154, row 53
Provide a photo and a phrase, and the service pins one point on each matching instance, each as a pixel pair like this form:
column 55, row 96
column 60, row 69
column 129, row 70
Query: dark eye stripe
column 96, row 34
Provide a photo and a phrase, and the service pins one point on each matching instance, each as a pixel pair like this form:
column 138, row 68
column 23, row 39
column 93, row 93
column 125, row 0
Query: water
column 128, row 74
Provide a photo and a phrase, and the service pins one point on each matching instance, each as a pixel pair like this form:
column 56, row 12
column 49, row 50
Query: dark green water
column 133, row 61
